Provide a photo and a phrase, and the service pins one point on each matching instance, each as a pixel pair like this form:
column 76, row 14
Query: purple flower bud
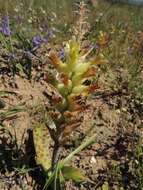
column 50, row 33
column 62, row 53
column 5, row 20
column 5, row 31
column 38, row 40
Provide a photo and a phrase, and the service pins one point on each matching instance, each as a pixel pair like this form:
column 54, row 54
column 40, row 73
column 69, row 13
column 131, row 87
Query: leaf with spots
column 43, row 143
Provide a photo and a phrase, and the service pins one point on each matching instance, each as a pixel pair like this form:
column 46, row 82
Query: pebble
column 93, row 160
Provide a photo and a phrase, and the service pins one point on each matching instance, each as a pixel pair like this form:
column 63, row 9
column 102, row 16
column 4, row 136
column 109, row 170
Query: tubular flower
column 74, row 71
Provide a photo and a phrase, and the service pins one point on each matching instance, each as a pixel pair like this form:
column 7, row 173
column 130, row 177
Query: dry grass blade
column 10, row 113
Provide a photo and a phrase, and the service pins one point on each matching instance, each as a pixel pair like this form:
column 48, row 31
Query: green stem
column 77, row 150
column 61, row 163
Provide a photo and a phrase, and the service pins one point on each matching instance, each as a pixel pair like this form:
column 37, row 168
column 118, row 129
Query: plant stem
column 77, row 150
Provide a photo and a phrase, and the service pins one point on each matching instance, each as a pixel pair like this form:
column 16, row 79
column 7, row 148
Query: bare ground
column 117, row 117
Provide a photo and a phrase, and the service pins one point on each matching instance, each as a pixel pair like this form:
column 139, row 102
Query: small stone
column 118, row 111
column 124, row 109
column 93, row 160
column 2, row 104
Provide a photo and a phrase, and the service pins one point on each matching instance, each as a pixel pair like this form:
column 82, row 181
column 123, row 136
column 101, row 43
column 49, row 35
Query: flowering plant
column 72, row 82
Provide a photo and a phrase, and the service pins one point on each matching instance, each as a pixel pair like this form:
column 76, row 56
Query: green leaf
column 105, row 186
column 4, row 93
column 61, row 177
column 72, row 50
column 73, row 173
column 9, row 113
column 19, row 67
column 42, row 143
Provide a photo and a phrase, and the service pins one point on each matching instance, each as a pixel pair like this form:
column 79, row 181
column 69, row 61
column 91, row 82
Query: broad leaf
column 105, row 186
column 73, row 173
column 42, row 143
